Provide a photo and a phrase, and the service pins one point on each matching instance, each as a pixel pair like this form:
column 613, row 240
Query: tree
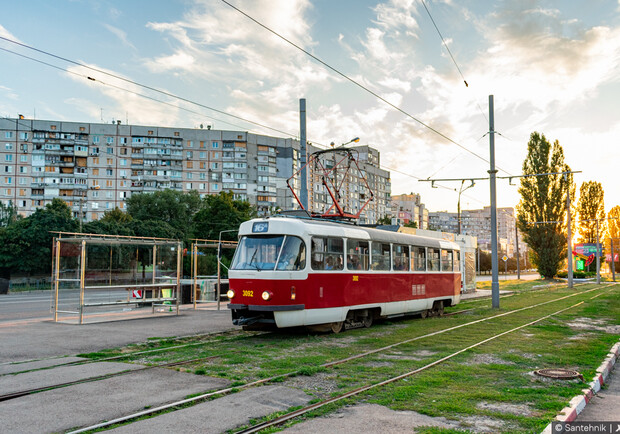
column 541, row 211
column 411, row 224
column 175, row 208
column 613, row 232
column 385, row 220
column 26, row 245
column 590, row 207
column 8, row 214
column 221, row 212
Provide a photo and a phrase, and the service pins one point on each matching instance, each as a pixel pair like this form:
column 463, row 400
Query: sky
column 551, row 66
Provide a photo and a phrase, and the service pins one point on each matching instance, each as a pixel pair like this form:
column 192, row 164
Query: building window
column 216, row 187
column 8, row 134
column 109, row 172
column 96, row 139
column 150, row 133
column 95, row 171
column 190, row 175
column 190, row 143
column 188, row 186
column 213, row 165
column 215, row 145
column 190, row 164
column 190, row 154
column 8, row 158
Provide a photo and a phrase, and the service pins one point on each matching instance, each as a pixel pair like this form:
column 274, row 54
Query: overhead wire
column 179, row 97
column 346, row 77
column 163, row 92
column 119, row 88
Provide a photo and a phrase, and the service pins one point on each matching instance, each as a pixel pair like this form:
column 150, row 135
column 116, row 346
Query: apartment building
column 95, row 167
column 477, row 223
column 407, row 208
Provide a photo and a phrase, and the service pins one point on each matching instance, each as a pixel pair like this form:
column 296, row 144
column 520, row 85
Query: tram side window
column 418, row 262
column 432, row 260
column 380, row 256
column 358, row 257
column 457, row 261
column 327, row 253
column 446, row 260
column 401, row 258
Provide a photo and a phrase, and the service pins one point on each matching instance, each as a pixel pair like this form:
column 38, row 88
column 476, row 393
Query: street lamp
column 461, row 190
column 94, row 187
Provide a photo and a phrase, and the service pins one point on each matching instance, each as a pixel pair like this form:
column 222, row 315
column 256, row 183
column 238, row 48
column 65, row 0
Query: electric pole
column 492, row 174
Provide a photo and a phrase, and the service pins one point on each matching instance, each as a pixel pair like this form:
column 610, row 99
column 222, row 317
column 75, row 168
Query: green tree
column 175, row 208
column 8, row 214
column 591, row 207
column 221, row 212
column 543, row 199
column 26, row 245
column 411, row 224
column 385, row 220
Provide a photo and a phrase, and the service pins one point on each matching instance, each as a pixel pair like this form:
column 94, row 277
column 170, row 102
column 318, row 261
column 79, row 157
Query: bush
column 577, row 274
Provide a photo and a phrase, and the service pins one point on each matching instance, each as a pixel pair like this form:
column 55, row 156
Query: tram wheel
column 367, row 321
column 424, row 314
column 438, row 309
column 337, row 327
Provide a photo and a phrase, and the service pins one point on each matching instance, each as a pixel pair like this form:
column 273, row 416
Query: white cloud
column 120, row 34
column 140, row 110
column 6, row 34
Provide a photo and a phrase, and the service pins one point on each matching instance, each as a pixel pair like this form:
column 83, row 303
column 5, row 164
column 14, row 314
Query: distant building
column 407, row 208
column 95, row 167
column 477, row 223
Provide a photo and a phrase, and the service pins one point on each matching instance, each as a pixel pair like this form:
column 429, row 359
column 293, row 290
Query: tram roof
column 304, row 226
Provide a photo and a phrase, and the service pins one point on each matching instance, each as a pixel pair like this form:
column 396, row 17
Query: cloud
column 6, row 34
column 140, row 110
column 120, row 34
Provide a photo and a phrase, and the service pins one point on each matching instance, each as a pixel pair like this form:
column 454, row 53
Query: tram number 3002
column 248, row 293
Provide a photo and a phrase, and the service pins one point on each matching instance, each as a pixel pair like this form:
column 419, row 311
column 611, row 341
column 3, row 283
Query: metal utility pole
column 570, row 235
column 517, row 244
column 598, row 257
column 303, row 190
column 492, row 174
column 613, row 262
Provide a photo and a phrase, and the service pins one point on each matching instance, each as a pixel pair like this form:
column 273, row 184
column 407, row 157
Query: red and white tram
column 290, row 272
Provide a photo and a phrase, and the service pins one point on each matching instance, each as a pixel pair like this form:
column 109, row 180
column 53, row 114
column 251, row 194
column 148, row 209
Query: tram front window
column 257, row 252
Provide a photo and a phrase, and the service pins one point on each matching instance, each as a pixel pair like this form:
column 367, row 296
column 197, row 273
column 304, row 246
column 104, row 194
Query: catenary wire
column 451, row 56
column 315, row 143
column 346, row 77
column 163, row 92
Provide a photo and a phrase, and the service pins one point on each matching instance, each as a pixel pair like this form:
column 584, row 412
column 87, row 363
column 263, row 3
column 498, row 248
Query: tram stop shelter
column 104, row 277
column 208, row 288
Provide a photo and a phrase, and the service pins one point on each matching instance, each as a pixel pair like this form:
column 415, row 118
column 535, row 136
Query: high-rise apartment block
column 407, row 208
column 477, row 223
column 95, row 167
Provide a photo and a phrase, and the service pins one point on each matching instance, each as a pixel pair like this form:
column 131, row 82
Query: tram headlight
column 267, row 295
column 230, row 294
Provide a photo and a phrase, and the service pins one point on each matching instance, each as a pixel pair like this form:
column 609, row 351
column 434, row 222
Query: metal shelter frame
column 212, row 244
column 83, row 240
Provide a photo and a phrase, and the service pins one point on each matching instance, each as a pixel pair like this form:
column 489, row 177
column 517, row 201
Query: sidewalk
column 38, row 339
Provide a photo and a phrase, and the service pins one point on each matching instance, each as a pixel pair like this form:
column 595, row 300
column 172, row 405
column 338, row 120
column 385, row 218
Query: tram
column 325, row 275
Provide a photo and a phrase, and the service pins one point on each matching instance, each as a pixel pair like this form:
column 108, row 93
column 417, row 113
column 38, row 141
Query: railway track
column 211, row 337
column 221, row 392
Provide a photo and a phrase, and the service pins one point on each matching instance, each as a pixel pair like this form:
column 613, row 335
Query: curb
column 579, row 402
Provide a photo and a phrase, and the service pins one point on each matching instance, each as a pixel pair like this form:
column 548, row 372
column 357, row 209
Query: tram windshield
column 262, row 253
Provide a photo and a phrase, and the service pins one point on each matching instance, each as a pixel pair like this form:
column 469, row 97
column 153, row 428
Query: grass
column 485, row 382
